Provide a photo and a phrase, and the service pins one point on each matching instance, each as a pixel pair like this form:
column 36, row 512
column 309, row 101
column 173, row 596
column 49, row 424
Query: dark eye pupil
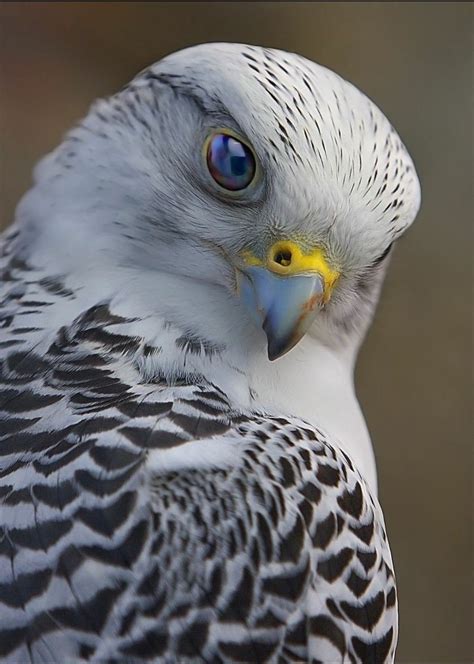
column 230, row 162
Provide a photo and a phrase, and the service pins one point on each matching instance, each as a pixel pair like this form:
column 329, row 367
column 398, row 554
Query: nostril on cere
column 283, row 258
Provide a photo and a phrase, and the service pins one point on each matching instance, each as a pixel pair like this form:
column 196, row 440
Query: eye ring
column 230, row 161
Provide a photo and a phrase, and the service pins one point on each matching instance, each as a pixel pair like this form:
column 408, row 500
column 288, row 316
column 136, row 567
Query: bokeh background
column 414, row 376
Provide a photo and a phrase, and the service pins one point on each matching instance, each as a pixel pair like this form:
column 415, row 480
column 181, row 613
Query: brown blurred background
column 414, row 377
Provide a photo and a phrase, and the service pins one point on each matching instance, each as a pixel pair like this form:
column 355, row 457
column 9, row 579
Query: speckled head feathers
column 332, row 172
column 318, row 136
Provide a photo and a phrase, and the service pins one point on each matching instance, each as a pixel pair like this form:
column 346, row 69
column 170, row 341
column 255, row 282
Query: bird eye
column 230, row 162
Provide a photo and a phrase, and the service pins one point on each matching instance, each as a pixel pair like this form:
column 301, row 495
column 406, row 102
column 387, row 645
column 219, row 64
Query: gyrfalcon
column 185, row 472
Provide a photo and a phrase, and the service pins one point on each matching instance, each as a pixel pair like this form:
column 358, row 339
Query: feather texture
column 167, row 494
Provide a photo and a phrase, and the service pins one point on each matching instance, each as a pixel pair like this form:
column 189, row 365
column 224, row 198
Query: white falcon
column 185, row 472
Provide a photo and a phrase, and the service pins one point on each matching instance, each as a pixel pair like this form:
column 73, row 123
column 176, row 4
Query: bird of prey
column 185, row 472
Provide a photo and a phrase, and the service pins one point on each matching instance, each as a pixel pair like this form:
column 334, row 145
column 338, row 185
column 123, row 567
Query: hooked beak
column 283, row 294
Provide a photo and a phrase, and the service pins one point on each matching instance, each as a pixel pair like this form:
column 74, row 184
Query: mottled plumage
column 168, row 494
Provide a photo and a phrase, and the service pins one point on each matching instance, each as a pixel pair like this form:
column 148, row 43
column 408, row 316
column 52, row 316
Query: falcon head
column 250, row 169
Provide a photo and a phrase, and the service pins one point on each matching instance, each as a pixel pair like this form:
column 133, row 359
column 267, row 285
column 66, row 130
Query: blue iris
column 230, row 162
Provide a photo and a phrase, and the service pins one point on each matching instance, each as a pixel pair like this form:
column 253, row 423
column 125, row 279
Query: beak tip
column 272, row 356
column 277, row 348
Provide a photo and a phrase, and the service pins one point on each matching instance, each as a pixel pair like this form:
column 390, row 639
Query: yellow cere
column 287, row 259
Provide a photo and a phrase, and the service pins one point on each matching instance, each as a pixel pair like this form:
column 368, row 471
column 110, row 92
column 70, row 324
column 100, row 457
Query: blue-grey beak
column 285, row 306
